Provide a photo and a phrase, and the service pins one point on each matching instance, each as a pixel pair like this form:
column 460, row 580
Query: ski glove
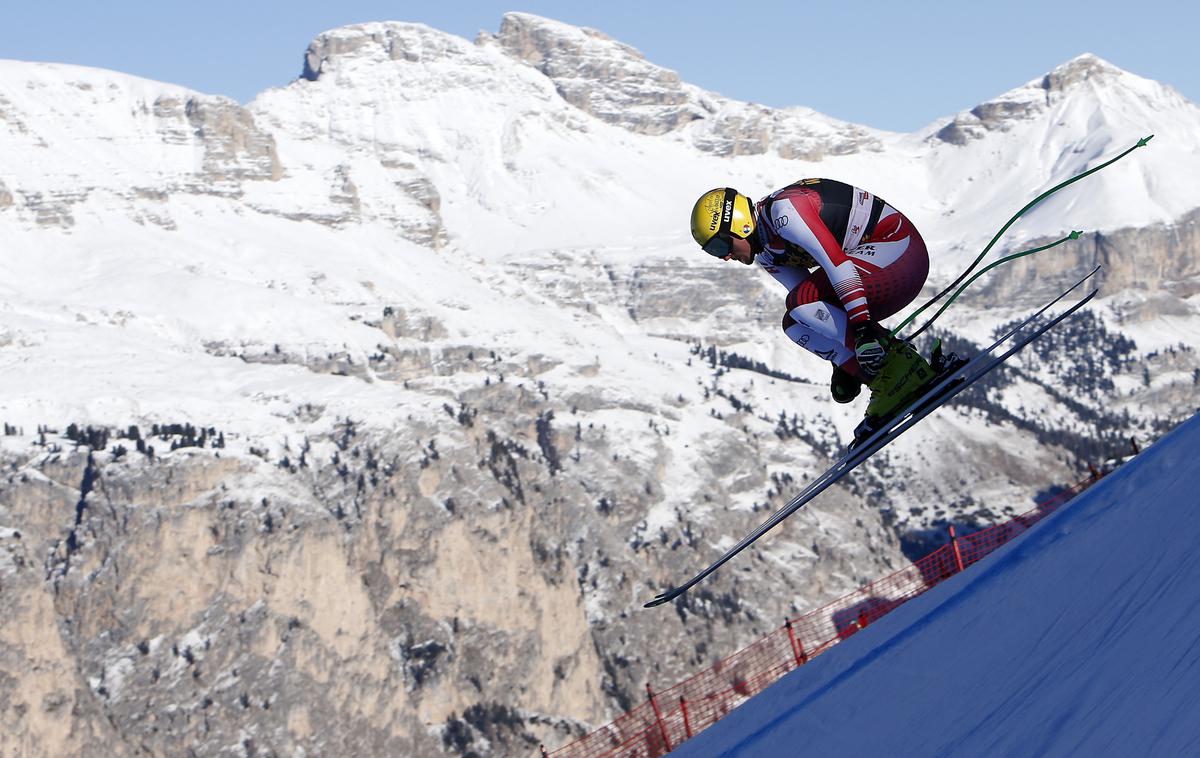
column 869, row 349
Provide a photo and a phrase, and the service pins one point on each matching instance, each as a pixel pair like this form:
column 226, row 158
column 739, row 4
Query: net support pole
column 797, row 646
column 958, row 561
column 687, row 722
column 662, row 727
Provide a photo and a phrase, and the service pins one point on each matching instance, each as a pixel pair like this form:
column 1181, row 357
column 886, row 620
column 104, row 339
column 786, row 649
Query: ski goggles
column 719, row 246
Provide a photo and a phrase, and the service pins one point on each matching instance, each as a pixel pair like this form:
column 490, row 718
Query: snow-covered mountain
column 438, row 302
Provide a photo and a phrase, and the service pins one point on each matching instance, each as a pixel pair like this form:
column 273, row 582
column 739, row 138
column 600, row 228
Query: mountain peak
column 615, row 83
column 527, row 26
column 597, row 74
column 377, row 42
column 1079, row 69
column 1085, row 79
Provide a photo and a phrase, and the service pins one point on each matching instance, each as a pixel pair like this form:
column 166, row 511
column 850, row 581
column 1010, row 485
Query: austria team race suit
column 846, row 257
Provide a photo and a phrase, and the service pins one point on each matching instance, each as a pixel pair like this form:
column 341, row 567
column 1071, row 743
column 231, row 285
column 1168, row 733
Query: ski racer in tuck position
column 847, row 259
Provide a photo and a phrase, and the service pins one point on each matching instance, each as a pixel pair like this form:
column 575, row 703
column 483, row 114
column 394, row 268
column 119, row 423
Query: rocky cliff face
column 616, row 84
column 347, row 611
column 1154, row 270
column 600, row 75
column 462, row 587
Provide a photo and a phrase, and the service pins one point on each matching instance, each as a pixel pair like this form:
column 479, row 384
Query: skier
column 847, row 259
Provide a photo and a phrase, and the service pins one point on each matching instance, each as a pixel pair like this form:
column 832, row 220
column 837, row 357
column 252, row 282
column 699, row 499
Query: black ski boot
column 942, row 362
column 843, row 386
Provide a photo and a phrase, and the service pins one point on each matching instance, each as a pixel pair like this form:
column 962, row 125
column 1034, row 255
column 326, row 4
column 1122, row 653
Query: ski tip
column 660, row 599
column 1144, row 141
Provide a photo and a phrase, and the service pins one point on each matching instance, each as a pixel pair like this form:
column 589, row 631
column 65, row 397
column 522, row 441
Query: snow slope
column 1082, row 638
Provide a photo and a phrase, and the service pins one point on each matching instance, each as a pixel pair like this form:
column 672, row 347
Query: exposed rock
column 310, row 622
column 1029, row 101
column 601, row 76
column 334, row 363
column 54, row 209
column 996, row 115
column 614, row 82
column 1154, row 259
column 425, row 228
column 1086, row 67
column 235, row 150
column 393, row 41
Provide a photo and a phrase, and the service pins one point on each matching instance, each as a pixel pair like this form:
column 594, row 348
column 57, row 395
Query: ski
column 980, row 359
column 944, row 388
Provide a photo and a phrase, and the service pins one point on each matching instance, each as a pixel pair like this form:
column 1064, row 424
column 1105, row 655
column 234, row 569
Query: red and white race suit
column 845, row 257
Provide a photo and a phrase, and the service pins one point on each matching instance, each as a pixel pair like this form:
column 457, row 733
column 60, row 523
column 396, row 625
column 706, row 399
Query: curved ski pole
column 1140, row 143
column 981, row 272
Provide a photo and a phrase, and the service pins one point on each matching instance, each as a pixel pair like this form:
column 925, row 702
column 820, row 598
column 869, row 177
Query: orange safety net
column 671, row 716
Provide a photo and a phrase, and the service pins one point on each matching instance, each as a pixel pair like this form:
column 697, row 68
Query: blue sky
column 896, row 65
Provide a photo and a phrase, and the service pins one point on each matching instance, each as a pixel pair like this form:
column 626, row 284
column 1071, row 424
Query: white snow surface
column 1080, row 638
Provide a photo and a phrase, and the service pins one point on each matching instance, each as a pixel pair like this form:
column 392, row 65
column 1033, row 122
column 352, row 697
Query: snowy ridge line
column 670, row 717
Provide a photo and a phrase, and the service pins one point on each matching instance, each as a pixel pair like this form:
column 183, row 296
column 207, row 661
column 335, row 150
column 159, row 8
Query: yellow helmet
column 718, row 214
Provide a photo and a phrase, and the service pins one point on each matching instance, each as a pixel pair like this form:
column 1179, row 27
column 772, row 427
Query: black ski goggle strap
column 721, row 244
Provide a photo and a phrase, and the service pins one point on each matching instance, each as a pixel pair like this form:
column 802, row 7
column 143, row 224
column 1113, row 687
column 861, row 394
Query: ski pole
column 981, row 272
column 1140, row 143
